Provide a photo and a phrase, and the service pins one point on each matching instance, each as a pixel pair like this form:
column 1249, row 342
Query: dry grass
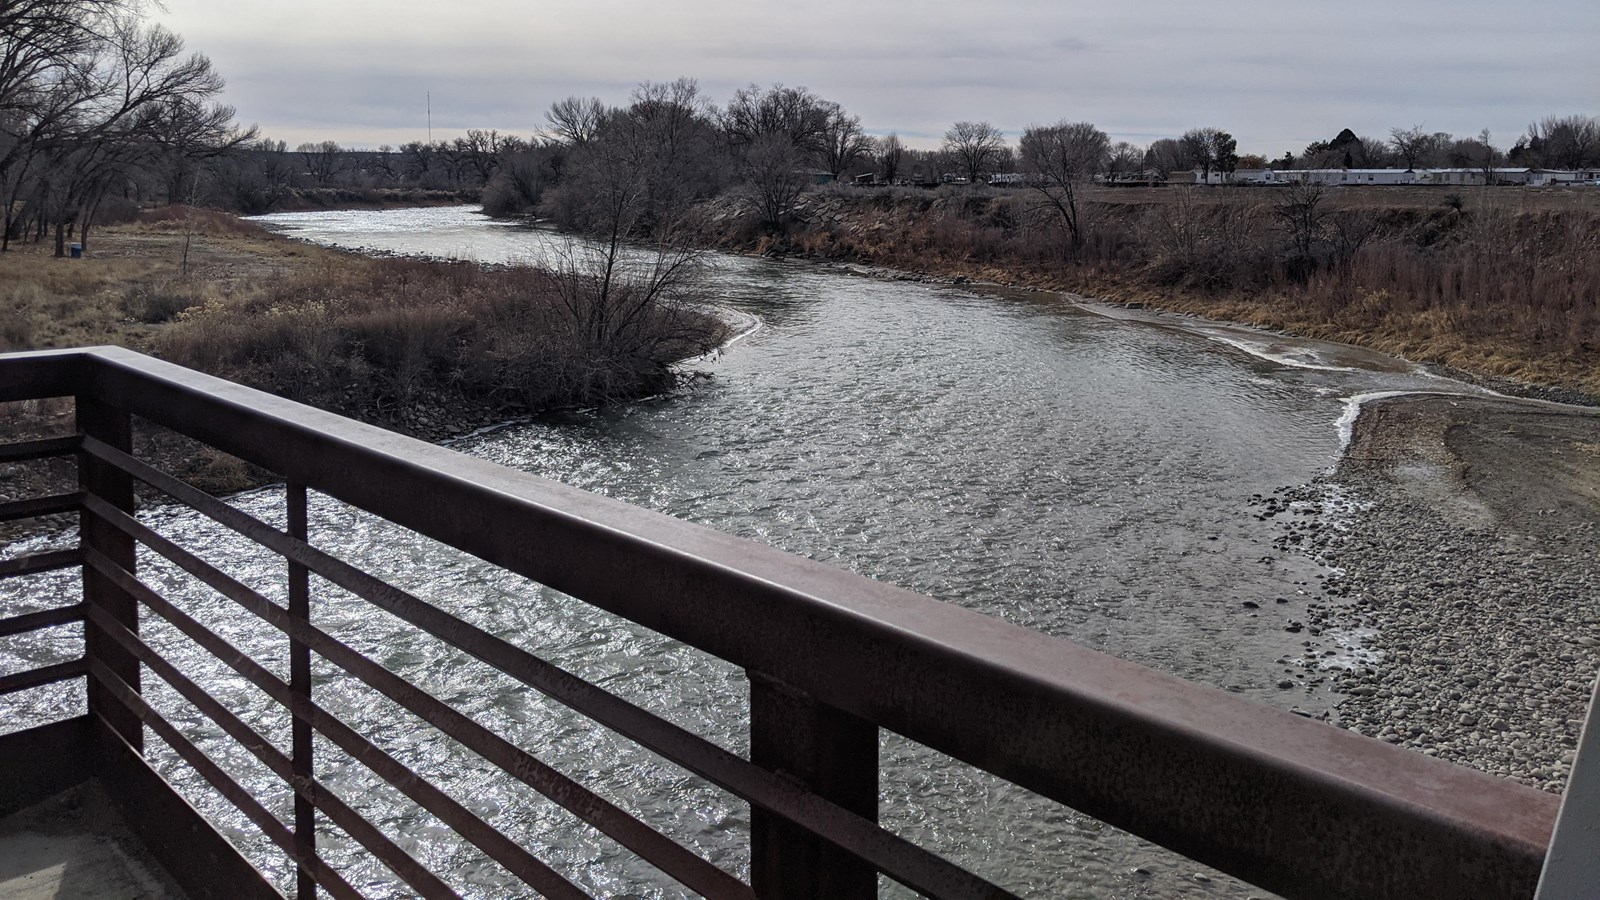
column 378, row 340
column 1509, row 285
column 135, row 277
column 368, row 337
column 47, row 302
column 357, row 335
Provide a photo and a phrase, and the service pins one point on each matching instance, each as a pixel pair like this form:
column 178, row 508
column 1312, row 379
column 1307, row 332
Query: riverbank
column 1472, row 562
column 1466, row 556
column 1498, row 284
column 427, row 348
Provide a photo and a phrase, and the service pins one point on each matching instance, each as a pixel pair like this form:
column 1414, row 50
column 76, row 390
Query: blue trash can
column 77, row 251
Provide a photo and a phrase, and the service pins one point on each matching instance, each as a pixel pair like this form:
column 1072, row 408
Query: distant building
column 1343, row 176
column 1555, row 177
column 1461, row 176
column 1475, row 176
column 1237, row 176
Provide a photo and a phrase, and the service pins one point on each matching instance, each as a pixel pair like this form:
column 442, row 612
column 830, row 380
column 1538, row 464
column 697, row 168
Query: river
column 1080, row 470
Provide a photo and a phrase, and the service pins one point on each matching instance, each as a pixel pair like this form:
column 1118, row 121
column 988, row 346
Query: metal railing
column 1293, row 805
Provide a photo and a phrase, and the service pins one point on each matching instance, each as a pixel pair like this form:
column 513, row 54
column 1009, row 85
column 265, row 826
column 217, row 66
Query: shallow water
column 1080, row 473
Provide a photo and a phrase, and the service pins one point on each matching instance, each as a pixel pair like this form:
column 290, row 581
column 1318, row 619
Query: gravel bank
column 1471, row 562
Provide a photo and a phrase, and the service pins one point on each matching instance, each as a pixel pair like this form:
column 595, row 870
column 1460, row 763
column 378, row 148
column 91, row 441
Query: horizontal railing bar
column 1121, row 742
column 221, row 781
column 42, row 374
column 412, row 872
column 501, row 849
column 247, row 737
column 44, row 618
column 901, row 860
column 47, row 448
column 37, row 563
column 675, row 860
column 51, row 674
column 34, row 507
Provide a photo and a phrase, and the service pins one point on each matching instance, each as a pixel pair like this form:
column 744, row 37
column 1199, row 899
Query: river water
column 1083, row 471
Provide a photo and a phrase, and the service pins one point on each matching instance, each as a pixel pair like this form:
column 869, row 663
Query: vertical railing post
column 305, row 814
column 114, row 427
column 832, row 754
column 1572, row 864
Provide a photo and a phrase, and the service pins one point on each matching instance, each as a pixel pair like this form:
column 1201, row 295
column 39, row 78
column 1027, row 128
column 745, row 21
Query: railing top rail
column 1221, row 779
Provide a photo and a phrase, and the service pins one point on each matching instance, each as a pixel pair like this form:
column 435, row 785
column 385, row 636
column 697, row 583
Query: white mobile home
column 1345, row 176
column 1554, row 177
column 1237, row 176
column 1475, row 176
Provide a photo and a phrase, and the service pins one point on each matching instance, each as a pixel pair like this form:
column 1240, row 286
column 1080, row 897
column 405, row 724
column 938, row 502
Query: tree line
column 99, row 107
column 97, row 103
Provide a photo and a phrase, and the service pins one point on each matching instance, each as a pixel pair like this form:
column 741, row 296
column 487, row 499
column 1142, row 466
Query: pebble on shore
column 1479, row 606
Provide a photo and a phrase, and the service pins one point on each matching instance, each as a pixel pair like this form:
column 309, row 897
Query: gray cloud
column 1277, row 75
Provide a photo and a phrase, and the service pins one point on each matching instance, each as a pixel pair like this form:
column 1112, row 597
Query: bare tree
column 1302, row 209
column 481, row 151
column 1124, row 159
column 890, row 153
column 1169, row 155
column 1416, row 146
column 383, row 161
column 1410, row 143
column 1487, row 157
column 795, row 113
column 575, row 119
column 1566, row 142
column 627, row 295
column 324, row 160
column 689, row 161
column 676, row 114
column 663, row 151
column 775, row 134
column 1376, row 153
column 629, row 312
column 1059, row 160
column 128, row 100
column 975, row 147
column 55, row 85
column 777, row 176
column 1212, row 150
column 844, row 143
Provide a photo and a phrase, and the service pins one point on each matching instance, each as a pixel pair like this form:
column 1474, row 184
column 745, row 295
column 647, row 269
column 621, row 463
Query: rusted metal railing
column 1290, row 804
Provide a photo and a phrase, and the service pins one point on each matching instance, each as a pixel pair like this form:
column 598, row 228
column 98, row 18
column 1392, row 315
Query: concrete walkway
column 75, row 846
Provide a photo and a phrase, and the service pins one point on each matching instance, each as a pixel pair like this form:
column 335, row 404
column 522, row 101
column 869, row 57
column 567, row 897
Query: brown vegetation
column 359, row 335
column 365, row 337
column 1502, row 282
column 428, row 348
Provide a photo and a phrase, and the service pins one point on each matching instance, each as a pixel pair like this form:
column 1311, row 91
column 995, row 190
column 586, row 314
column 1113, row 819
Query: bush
column 377, row 335
column 197, row 220
column 162, row 302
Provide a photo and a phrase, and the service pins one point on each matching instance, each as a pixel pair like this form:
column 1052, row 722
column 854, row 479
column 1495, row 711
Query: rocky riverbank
column 1470, row 564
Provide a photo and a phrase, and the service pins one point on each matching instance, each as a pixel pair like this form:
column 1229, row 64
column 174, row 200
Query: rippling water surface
column 1073, row 472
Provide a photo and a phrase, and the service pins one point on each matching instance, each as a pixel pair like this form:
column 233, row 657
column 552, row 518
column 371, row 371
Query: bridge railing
column 1290, row 804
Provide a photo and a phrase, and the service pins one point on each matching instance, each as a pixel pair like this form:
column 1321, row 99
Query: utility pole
column 430, row 117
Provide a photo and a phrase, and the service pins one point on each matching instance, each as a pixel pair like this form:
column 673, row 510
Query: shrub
column 162, row 302
column 377, row 335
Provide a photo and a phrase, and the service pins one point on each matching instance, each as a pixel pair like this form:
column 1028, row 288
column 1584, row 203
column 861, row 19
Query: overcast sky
column 1278, row 75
